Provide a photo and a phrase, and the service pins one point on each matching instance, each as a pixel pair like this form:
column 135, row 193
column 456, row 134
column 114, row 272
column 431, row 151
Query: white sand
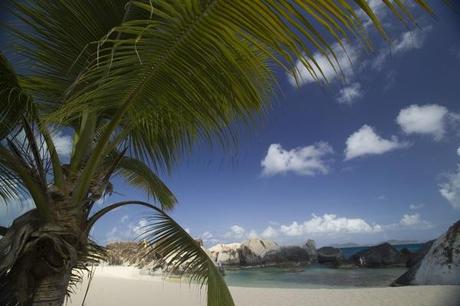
column 126, row 286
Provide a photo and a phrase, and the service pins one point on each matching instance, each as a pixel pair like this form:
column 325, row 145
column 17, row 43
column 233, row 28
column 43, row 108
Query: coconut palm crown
column 136, row 83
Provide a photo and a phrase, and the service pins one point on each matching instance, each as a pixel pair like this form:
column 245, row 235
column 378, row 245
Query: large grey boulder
column 377, row 256
column 226, row 254
column 253, row 251
column 330, row 255
column 287, row 255
column 440, row 265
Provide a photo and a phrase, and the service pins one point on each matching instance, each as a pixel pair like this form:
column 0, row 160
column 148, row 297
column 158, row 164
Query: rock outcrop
column 287, row 255
column 226, row 254
column 381, row 255
column 330, row 255
column 258, row 252
column 253, row 251
column 136, row 254
column 406, row 255
column 440, row 265
column 417, row 257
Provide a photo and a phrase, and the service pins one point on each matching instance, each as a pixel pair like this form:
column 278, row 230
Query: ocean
column 316, row 275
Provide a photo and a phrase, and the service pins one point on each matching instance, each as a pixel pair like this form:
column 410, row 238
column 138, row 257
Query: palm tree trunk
column 52, row 289
column 36, row 266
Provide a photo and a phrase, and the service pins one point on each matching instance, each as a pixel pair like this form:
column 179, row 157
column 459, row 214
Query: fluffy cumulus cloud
column 63, row 143
column 365, row 141
column 206, row 236
column 450, row 188
column 269, row 233
column 349, row 94
column 126, row 232
column 406, row 41
column 309, row 160
column 236, row 232
column 414, row 221
column 329, row 224
column 428, row 119
column 345, row 57
column 410, row 220
column 458, row 151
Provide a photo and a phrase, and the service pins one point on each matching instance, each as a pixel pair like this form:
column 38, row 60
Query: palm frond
column 14, row 101
column 189, row 70
column 140, row 175
column 56, row 39
column 184, row 254
column 16, row 165
column 169, row 73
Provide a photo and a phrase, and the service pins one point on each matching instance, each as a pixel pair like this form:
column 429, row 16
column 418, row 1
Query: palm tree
column 135, row 83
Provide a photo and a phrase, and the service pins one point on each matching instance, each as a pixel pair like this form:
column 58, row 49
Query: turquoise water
column 314, row 276
column 317, row 276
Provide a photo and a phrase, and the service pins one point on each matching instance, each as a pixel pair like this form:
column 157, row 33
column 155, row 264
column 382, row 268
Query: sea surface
column 316, row 275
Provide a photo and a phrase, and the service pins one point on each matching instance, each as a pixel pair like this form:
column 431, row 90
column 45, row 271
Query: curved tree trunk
column 36, row 260
column 52, row 289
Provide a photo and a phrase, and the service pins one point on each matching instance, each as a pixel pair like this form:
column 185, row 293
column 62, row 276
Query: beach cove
column 116, row 285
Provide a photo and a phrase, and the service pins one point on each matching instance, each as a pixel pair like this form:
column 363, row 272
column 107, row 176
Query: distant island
column 346, row 245
column 399, row 242
column 356, row 245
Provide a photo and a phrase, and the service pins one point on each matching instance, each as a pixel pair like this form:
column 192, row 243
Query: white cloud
column 329, row 224
column 415, row 206
column 407, row 41
column 206, row 235
column 63, row 143
column 302, row 161
column 345, row 57
column 236, row 232
column 269, row 233
column 349, row 94
column 253, row 234
column 450, row 189
column 129, row 232
column 124, row 218
column 458, row 151
column 365, row 142
column 410, row 220
column 414, row 221
column 427, row 119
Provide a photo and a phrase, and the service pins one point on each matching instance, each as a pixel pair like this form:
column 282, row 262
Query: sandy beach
column 127, row 286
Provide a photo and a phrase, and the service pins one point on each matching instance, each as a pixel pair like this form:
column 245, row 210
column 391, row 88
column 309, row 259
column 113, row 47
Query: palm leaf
column 178, row 249
column 54, row 41
column 168, row 73
column 14, row 101
column 182, row 253
column 140, row 175
column 187, row 71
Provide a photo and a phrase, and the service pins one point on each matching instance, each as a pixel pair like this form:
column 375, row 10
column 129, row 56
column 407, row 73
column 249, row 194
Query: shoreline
column 118, row 285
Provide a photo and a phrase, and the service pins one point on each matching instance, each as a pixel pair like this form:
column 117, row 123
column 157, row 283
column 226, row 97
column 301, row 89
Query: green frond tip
column 184, row 256
column 140, row 175
column 218, row 293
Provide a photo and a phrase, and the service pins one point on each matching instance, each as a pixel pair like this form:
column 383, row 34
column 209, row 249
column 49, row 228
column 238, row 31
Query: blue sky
column 371, row 158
